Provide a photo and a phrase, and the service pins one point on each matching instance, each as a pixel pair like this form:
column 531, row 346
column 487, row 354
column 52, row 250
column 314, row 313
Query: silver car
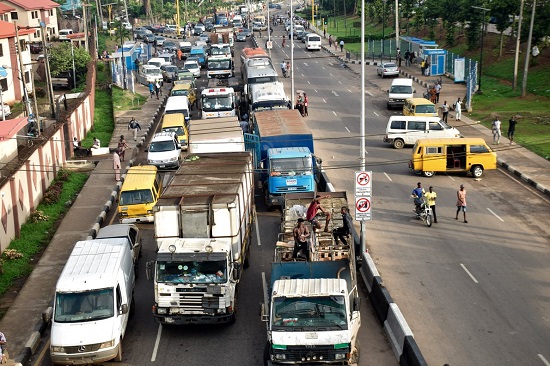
column 387, row 69
column 193, row 67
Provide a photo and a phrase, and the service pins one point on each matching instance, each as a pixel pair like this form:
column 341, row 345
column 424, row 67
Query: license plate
column 291, row 182
column 162, row 166
column 168, row 320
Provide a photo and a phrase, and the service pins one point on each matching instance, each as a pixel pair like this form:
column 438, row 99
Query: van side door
column 435, row 130
column 415, row 130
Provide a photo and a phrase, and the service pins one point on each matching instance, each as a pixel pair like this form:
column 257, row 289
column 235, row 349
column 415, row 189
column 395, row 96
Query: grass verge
column 35, row 236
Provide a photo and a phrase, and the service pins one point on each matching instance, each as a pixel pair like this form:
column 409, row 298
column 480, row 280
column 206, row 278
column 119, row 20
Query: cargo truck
column 312, row 307
column 282, row 145
column 203, row 228
column 215, row 135
column 219, row 66
column 267, row 96
column 218, row 102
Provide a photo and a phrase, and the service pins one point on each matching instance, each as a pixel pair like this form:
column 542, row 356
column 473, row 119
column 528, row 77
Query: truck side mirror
column 124, row 309
column 356, row 303
column 236, row 271
column 264, row 316
column 149, row 270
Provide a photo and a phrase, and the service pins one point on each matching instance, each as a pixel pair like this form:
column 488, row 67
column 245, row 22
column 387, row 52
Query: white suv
column 164, row 150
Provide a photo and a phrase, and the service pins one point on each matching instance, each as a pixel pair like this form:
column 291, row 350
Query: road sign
column 363, row 183
column 269, row 45
column 362, row 208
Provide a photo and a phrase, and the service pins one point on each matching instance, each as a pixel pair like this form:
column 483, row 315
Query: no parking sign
column 362, row 208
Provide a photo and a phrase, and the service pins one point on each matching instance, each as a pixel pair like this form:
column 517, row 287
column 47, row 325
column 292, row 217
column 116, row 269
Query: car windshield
column 160, row 146
column 401, row 89
column 309, row 313
column 217, row 103
column 427, row 108
column 169, row 44
column 192, row 272
column 180, row 92
column 171, row 69
column 190, row 65
column 290, row 166
column 137, row 197
column 390, row 66
column 72, row 307
column 151, row 71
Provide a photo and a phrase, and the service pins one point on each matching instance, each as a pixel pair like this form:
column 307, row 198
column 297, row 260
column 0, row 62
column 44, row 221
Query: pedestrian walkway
column 22, row 323
column 521, row 162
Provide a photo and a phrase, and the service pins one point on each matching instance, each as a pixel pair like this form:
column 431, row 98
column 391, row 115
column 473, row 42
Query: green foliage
column 36, row 235
column 126, row 100
column 61, row 58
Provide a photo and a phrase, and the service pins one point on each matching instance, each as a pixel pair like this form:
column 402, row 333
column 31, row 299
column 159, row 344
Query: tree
column 501, row 10
column 61, row 58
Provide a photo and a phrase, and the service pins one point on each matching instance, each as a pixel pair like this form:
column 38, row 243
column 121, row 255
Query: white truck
column 311, row 307
column 149, row 74
column 203, row 223
column 218, row 102
column 219, row 66
column 215, row 135
column 267, row 96
column 94, row 297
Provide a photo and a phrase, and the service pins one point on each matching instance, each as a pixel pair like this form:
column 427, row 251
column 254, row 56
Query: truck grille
column 285, row 189
column 82, row 349
column 190, row 299
column 296, row 353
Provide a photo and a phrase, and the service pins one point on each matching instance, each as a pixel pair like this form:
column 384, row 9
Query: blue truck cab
column 200, row 52
column 290, row 171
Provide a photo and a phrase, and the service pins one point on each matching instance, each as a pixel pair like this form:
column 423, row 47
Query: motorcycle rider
column 418, row 196
column 283, row 68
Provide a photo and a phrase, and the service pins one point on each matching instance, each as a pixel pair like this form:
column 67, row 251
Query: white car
column 193, row 67
column 387, row 69
column 6, row 111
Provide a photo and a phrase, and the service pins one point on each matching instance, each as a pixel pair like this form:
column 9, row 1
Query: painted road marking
column 324, row 101
column 157, row 341
column 544, row 360
column 350, row 91
column 468, row 272
column 308, row 82
column 376, row 114
column 334, row 113
column 331, row 75
column 369, row 93
column 387, row 176
column 339, row 81
column 335, row 94
column 257, row 230
column 347, row 129
column 497, row 216
column 315, row 90
column 305, row 64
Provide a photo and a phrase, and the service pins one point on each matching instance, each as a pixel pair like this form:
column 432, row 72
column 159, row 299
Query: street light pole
column 383, row 24
column 362, row 153
column 481, row 51
column 48, row 74
column 22, row 75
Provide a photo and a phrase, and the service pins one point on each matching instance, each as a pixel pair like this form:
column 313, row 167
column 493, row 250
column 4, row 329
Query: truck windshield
column 73, row 307
column 136, row 197
column 291, row 167
column 220, row 51
column 218, row 65
column 309, row 313
column 192, row 272
column 217, row 103
column 269, row 105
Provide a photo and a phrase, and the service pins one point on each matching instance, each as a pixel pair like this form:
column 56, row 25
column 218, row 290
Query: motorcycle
column 283, row 69
column 423, row 211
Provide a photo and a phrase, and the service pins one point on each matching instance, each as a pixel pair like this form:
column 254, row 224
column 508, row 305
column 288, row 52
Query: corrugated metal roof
column 280, row 122
column 301, row 287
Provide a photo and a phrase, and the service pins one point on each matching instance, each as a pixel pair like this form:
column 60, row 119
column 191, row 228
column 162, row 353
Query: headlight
column 280, row 356
column 173, row 159
column 339, row 356
column 390, row 100
column 162, row 310
column 58, row 349
column 109, row 344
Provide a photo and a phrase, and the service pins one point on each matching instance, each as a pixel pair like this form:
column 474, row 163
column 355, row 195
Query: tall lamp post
column 383, row 24
column 481, row 48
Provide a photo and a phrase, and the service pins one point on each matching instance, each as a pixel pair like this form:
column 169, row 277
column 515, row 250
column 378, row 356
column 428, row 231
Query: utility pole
column 528, row 51
column 518, row 41
column 48, row 73
column 85, row 18
column 397, row 27
column 481, row 48
column 22, row 75
column 362, row 153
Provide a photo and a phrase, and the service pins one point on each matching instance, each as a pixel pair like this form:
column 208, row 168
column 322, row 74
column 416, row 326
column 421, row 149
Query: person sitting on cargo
column 312, row 210
column 301, row 234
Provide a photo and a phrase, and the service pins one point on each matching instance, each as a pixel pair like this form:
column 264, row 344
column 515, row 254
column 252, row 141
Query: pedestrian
column 335, row 44
column 151, row 89
column 422, row 67
column 306, row 101
column 76, row 144
column 407, row 58
column 288, row 68
column 329, row 41
column 497, row 133
column 427, row 68
column 458, row 109
column 342, row 46
column 301, row 235
column 512, row 122
column 445, row 111
column 157, row 89
column 324, row 33
column 312, row 210
column 271, row 31
column 433, row 94
column 116, row 164
column 461, row 202
column 437, row 87
column 179, row 54
column 4, row 357
column 430, row 197
column 122, row 146
column 283, row 44
column 96, row 143
column 260, row 32
column 134, row 126
column 399, row 59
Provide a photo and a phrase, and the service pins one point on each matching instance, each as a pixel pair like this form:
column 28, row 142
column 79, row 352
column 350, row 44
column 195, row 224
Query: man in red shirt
column 312, row 210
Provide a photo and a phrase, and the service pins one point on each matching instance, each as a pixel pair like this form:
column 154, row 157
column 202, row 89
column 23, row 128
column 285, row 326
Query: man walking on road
column 512, row 128
column 445, row 111
column 342, row 46
column 430, row 197
column 134, row 126
column 458, row 109
column 437, row 88
column 461, row 202
column 497, row 133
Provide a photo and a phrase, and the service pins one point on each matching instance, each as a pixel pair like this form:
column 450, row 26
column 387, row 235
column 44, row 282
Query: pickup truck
column 63, row 80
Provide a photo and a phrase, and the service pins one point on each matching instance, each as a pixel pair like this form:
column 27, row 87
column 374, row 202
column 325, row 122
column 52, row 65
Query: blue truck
column 282, row 145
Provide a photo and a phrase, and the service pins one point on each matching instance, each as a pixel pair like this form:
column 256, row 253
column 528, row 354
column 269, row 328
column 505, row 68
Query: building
column 29, row 13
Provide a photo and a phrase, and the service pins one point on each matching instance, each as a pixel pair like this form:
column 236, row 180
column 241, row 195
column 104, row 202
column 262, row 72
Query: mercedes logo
column 82, row 349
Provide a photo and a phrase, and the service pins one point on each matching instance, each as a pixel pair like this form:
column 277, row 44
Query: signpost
column 363, row 195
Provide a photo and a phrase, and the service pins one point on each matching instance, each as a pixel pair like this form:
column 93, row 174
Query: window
column 435, row 126
column 1, row 50
column 4, row 84
column 37, row 34
column 27, row 77
column 34, row 14
column 397, row 125
column 417, row 125
column 478, row 149
column 14, row 15
column 433, row 149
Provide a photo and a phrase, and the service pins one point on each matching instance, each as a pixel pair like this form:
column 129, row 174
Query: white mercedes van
column 400, row 90
column 406, row 130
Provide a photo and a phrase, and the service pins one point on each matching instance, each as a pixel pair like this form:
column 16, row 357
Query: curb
column 35, row 338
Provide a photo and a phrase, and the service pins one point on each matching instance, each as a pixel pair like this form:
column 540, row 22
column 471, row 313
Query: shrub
column 38, row 216
column 12, row 254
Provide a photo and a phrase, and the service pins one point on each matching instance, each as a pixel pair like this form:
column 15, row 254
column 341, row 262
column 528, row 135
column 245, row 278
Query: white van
column 164, row 151
column 94, row 297
column 178, row 104
column 406, row 130
column 130, row 232
column 313, row 42
column 63, row 33
column 400, row 90
column 157, row 61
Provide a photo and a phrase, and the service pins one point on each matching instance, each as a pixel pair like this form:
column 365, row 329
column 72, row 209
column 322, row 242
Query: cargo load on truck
column 216, row 135
column 317, row 296
column 204, row 221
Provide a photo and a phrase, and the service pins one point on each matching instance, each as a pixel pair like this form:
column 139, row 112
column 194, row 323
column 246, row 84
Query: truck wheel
column 267, row 359
column 118, row 357
column 477, row 171
column 428, row 174
column 355, row 353
column 398, row 143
